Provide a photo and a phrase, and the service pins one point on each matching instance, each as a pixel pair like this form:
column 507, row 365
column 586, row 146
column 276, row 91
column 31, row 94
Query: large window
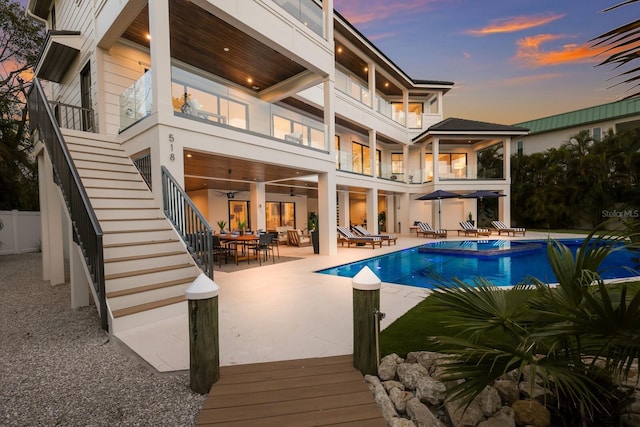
column 280, row 214
column 361, row 159
column 397, row 163
column 450, row 166
column 238, row 212
column 209, row 106
column 491, row 163
column 414, row 114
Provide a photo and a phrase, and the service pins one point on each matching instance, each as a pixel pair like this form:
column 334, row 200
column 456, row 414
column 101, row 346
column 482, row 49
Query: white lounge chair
column 470, row 230
column 502, row 228
column 361, row 231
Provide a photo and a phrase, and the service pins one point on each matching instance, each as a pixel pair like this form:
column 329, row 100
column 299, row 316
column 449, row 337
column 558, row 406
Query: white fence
column 21, row 232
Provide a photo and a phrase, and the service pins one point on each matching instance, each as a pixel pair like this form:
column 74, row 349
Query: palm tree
column 579, row 336
column 622, row 45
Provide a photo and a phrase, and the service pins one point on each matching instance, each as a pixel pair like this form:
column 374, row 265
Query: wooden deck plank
column 306, row 392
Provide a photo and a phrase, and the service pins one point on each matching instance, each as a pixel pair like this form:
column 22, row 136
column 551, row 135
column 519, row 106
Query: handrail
column 194, row 229
column 73, row 117
column 86, row 228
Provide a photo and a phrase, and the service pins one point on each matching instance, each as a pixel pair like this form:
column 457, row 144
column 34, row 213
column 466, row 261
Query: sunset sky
column 511, row 60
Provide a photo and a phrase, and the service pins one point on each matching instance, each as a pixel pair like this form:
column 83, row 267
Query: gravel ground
column 58, row 367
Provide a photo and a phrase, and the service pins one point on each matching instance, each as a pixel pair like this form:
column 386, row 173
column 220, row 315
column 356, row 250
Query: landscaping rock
column 531, row 412
column 502, row 418
column 430, row 390
column 489, row 401
column 388, row 366
column 391, row 384
column 401, row 422
column 508, row 390
column 382, row 398
column 400, row 398
column 409, row 373
column 461, row 417
column 421, row 415
column 532, row 391
column 427, row 359
column 630, row 420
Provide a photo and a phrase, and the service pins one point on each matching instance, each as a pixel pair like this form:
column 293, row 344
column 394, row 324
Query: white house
column 261, row 110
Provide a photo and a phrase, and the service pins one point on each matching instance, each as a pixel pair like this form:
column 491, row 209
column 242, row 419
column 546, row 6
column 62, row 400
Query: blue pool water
column 503, row 262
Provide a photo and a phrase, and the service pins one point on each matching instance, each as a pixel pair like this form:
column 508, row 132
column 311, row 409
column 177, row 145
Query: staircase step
column 142, row 248
column 130, row 184
column 147, row 306
column 89, row 149
column 108, row 167
column 109, row 203
column 86, row 173
column 140, row 224
column 141, row 318
column 119, row 193
column 109, row 214
column 146, row 263
column 130, row 291
column 148, row 296
column 107, row 159
column 145, row 271
column 176, row 272
column 133, row 236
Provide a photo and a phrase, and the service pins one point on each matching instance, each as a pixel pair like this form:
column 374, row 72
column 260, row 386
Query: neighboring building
column 553, row 131
column 262, row 110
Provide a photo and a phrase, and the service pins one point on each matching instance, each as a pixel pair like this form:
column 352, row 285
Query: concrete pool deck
column 284, row 311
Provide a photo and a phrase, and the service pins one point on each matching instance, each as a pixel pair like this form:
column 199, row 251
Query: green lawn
column 408, row 333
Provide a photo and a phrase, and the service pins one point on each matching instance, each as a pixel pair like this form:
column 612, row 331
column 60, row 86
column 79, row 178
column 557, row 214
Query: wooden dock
column 307, row 392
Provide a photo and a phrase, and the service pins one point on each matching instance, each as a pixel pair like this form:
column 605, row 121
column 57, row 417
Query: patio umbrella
column 439, row 195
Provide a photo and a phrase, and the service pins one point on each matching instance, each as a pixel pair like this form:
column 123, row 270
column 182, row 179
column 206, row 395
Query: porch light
column 148, row 36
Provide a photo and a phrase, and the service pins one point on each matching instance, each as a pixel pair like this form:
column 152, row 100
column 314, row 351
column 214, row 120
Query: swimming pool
column 503, row 262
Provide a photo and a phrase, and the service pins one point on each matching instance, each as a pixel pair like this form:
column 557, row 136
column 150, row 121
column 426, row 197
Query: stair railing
column 188, row 221
column 86, row 229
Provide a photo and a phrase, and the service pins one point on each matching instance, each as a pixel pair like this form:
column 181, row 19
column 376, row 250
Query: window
column 280, row 214
column 238, row 212
column 450, row 166
column 85, row 98
column 378, row 162
column 336, row 141
column 361, row 159
column 397, row 163
column 490, row 162
column 596, row 134
column 209, row 106
column 520, row 147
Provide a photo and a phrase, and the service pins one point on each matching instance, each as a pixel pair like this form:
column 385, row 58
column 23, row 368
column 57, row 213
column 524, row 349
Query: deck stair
column 147, row 267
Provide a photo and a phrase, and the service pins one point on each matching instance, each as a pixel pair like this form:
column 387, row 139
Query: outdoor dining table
column 242, row 240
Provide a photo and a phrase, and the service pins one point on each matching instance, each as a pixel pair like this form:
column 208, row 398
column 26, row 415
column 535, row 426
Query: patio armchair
column 424, row 229
column 502, row 228
column 470, row 230
column 361, row 231
column 296, row 238
column 346, row 236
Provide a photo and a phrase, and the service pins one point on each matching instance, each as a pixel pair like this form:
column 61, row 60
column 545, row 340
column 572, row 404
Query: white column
column 372, row 153
column 435, row 149
column 405, row 105
column 403, row 209
column 372, row 83
column 372, row 210
column 405, row 162
column 54, row 227
column 258, row 201
column 160, row 57
column 345, row 208
column 327, row 213
column 327, row 12
column 391, row 213
column 44, row 212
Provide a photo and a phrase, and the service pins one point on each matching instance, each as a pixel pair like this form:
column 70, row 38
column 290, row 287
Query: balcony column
column 405, row 164
column 405, row 106
column 344, row 213
column 504, row 203
column 391, row 213
column 327, row 213
column 435, row 150
column 327, row 13
column 372, row 152
column 258, row 201
column 372, row 210
column 160, row 57
column 372, row 84
column 403, row 208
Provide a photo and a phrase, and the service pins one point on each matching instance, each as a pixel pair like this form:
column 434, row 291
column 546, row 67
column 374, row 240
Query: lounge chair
column 296, row 238
column 470, row 230
column 502, row 228
column 361, row 231
column 425, row 230
column 344, row 235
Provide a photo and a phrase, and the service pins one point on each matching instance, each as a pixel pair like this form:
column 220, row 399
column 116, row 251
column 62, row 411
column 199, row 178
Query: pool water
column 504, row 263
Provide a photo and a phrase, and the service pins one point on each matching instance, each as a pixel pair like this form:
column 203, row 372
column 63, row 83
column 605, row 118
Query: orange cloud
column 364, row 11
column 511, row 25
column 530, row 51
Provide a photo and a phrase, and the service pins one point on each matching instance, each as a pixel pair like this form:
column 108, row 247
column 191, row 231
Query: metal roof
column 599, row 113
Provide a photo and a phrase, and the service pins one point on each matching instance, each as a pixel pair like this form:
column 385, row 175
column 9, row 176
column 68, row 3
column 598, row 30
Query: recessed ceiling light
column 226, row 49
column 189, row 155
column 148, row 36
column 249, row 80
column 339, row 50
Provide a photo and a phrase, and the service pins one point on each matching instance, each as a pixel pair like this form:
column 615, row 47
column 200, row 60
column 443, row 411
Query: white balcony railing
column 136, row 101
column 306, row 11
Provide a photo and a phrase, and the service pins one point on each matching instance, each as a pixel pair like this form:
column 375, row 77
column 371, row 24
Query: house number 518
column 172, row 156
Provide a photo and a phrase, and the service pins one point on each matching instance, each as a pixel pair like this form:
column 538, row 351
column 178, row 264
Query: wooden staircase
column 147, row 267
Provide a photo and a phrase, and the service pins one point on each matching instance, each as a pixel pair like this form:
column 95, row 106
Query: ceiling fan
column 292, row 194
column 229, row 194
